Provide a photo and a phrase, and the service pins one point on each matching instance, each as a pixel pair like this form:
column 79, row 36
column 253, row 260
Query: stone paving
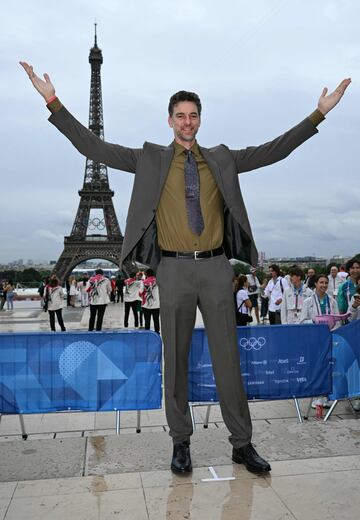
column 74, row 466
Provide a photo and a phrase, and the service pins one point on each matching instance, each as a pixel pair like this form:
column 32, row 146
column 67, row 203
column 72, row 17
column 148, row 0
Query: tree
column 28, row 275
column 241, row 268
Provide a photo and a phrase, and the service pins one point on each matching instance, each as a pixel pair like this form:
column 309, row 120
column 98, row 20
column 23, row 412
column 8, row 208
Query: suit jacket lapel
column 166, row 155
column 214, row 168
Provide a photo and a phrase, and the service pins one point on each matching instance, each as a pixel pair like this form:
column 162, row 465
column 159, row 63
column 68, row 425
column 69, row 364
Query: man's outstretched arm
column 85, row 141
column 258, row 156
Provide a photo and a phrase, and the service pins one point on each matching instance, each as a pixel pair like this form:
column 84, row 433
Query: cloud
column 49, row 235
column 64, row 218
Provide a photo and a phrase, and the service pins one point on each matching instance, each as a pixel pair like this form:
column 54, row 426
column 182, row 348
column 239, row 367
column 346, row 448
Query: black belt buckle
column 198, row 255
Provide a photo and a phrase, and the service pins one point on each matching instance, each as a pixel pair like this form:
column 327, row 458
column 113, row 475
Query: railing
column 121, row 370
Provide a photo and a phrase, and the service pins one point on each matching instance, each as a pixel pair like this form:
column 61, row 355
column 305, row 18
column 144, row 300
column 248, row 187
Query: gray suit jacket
column 151, row 165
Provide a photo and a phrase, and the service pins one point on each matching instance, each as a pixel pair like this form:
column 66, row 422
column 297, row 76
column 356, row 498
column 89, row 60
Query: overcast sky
column 259, row 68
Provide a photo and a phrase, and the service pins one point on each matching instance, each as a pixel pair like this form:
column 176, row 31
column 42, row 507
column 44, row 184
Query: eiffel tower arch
column 96, row 231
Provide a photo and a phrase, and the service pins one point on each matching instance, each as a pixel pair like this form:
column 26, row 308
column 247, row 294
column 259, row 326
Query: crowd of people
column 139, row 293
column 275, row 298
column 298, row 298
column 294, row 298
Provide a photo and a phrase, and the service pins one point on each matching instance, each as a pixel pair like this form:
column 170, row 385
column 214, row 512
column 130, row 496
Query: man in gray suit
column 186, row 217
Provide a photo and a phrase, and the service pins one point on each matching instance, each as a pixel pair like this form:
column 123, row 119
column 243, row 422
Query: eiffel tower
column 95, row 232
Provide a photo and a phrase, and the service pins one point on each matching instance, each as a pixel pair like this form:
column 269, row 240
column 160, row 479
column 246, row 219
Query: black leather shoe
column 181, row 460
column 247, row 455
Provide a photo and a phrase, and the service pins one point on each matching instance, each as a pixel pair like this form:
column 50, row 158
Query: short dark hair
column 296, row 271
column 318, row 276
column 99, row 271
column 275, row 267
column 351, row 262
column 184, row 95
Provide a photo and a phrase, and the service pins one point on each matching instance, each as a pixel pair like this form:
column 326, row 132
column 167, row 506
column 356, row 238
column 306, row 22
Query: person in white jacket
column 131, row 297
column 150, row 300
column 99, row 290
column 294, row 297
column 54, row 301
column 274, row 291
column 319, row 304
column 334, row 281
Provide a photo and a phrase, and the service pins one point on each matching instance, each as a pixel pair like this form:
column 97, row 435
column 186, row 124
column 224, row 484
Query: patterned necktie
column 192, row 194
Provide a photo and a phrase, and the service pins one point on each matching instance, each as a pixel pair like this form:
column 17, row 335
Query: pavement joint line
column 144, row 495
column 11, row 499
column 83, row 473
column 283, row 502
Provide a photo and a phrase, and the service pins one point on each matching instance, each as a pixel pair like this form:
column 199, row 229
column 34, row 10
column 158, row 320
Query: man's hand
column 45, row 88
column 327, row 102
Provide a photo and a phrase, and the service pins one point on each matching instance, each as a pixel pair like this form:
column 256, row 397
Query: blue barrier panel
column 277, row 362
column 97, row 371
column 346, row 357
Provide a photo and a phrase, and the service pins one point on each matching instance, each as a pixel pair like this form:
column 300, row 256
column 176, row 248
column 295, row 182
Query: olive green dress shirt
column 173, row 230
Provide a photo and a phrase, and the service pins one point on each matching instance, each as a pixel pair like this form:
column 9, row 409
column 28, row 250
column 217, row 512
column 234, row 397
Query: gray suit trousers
column 185, row 284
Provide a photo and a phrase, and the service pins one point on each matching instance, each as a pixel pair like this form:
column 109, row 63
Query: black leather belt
column 195, row 255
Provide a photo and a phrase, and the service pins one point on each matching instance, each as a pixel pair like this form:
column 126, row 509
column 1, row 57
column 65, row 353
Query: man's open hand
column 45, row 88
column 327, row 102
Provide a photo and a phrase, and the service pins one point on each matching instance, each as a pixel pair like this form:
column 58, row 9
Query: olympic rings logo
column 252, row 343
column 96, row 223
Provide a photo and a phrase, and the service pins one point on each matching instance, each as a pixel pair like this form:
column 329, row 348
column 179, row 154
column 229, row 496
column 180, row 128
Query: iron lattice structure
column 100, row 236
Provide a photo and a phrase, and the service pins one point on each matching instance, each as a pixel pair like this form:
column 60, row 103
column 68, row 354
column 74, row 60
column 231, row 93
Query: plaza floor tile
column 227, row 500
column 128, row 504
column 326, row 496
column 76, row 485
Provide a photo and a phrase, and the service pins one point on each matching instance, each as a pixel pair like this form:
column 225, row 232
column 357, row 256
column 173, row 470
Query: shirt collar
column 179, row 149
